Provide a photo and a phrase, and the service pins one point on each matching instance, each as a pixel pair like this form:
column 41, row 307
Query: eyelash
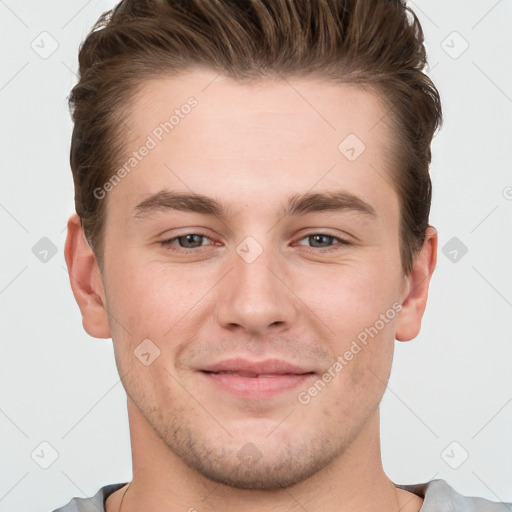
column 183, row 250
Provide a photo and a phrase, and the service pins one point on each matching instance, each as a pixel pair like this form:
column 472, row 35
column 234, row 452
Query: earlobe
column 415, row 291
column 86, row 282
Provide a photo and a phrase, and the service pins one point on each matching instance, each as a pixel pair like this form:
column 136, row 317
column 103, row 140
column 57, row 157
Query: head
column 270, row 129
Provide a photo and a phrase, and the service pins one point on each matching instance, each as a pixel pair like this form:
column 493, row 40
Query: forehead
column 211, row 135
column 310, row 109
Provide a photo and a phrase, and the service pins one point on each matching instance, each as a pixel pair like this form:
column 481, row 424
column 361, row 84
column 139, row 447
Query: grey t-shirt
column 438, row 496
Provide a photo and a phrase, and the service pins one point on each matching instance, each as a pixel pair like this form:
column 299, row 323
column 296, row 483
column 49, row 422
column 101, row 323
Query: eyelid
column 170, row 234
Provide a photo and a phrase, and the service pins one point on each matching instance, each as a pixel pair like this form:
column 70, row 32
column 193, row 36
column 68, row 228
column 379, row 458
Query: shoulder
column 94, row 504
column 439, row 496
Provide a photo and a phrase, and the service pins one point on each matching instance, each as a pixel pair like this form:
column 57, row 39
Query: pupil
column 189, row 239
column 325, row 237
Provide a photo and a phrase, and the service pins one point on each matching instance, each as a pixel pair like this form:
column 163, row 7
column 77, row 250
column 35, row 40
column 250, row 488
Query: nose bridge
column 252, row 297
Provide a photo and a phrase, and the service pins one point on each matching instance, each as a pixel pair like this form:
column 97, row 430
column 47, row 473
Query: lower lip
column 256, row 387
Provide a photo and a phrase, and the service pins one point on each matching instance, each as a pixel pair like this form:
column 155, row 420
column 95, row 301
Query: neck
column 355, row 480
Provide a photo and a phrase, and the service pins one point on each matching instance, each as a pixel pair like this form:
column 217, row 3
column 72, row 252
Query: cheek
column 362, row 312
column 366, row 374
column 152, row 294
column 351, row 298
column 156, row 303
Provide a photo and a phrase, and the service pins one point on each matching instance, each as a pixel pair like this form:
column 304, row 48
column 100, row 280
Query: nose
column 254, row 297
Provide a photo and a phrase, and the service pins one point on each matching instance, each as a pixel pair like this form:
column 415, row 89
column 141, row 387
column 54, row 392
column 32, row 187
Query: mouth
column 254, row 375
column 256, row 380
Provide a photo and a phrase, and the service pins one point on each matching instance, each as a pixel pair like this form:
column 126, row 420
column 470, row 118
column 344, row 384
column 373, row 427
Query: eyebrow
column 299, row 204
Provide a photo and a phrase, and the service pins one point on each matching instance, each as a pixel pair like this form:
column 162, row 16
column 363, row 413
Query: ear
column 86, row 282
column 415, row 290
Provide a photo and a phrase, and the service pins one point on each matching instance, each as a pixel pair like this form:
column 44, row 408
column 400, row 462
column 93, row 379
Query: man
column 252, row 196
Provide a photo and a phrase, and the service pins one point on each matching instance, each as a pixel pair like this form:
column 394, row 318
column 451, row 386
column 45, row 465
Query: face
column 255, row 253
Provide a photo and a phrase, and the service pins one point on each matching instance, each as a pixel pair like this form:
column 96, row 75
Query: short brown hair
column 370, row 43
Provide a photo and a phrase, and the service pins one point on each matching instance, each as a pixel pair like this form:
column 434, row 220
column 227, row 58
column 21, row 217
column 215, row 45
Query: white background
column 453, row 383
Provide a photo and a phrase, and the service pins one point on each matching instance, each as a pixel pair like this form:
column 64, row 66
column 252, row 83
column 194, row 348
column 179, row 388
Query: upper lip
column 266, row 367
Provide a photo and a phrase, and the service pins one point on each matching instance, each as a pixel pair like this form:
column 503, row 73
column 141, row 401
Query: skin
column 252, row 147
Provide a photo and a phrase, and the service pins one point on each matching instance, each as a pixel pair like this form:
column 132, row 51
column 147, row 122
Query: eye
column 190, row 242
column 185, row 243
column 323, row 238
